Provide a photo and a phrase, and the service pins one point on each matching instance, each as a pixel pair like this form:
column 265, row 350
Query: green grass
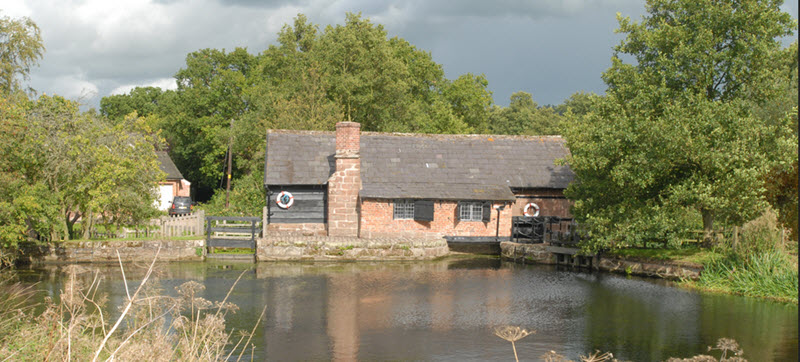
column 232, row 251
column 690, row 254
column 770, row 275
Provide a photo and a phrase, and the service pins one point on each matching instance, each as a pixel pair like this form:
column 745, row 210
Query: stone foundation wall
column 538, row 253
column 106, row 251
column 650, row 269
column 319, row 248
column 526, row 253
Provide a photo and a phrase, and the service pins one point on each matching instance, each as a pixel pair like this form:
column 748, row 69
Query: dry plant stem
column 91, row 300
column 219, row 309
column 128, row 306
column 514, row 347
column 128, row 293
column 11, row 355
column 137, row 331
column 263, row 311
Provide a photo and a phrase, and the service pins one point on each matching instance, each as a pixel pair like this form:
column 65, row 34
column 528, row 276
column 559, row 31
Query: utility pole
column 230, row 166
column 497, row 233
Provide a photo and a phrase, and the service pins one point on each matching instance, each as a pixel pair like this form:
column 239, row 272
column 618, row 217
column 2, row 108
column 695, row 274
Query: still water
column 445, row 310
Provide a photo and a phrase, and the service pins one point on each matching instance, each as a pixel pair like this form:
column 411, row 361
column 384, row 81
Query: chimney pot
column 348, row 137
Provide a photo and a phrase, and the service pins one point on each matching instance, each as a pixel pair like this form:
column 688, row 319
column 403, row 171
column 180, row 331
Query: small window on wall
column 474, row 211
column 419, row 210
column 404, row 209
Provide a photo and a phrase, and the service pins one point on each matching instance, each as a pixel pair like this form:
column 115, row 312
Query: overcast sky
column 549, row 48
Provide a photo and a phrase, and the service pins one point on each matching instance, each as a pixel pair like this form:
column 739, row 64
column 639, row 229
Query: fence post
column 208, row 233
column 264, row 222
column 200, row 218
column 253, row 234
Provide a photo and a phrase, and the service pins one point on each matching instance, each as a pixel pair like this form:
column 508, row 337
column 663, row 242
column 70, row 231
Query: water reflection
column 446, row 310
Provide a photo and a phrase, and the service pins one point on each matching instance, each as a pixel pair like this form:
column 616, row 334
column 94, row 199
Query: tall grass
column 758, row 266
column 770, row 274
column 151, row 325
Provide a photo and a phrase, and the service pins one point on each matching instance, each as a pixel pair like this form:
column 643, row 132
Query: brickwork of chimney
column 345, row 183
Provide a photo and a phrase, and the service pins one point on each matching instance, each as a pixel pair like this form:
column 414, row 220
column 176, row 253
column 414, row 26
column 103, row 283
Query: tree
column 579, row 103
column 144, row 100
column 67, row 165
column 524, row 116
column 20, row 49
column 470, row 100
column 676, row 134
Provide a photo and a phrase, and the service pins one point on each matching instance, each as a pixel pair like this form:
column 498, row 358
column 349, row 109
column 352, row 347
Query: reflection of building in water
column 283, row 310
column 351, row 316
column 296, row 317
column 342, row 316
column 442, row 300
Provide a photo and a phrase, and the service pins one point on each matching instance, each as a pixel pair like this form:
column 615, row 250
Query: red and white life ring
column 527, row 210
column 284, row 200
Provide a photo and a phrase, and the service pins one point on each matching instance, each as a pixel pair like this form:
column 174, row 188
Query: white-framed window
column 470, row 211
column 404, row 209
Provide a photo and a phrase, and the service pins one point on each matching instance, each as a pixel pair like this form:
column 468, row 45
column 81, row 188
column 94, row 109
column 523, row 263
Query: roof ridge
column 422, row 135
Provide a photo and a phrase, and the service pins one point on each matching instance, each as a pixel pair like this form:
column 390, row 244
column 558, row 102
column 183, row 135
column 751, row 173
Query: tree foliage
column 20, row 49
column 677, row 133
column 61, row 165
column 525, row 117
column 311, row 79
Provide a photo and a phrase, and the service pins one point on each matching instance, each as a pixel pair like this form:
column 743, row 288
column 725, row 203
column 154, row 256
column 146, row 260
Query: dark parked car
column 181, row 205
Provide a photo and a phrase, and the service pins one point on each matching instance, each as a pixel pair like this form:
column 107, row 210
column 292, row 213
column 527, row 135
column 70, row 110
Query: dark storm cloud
column 550, row 49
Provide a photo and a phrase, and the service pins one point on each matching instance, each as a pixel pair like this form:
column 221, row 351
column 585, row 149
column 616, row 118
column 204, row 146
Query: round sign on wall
column 284, row 199
column 531, row 209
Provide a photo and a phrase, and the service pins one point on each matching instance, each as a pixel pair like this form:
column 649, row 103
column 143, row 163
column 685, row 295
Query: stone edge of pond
column 325, row 248
column 268, row 249
column 103, row 251
column 539, row 254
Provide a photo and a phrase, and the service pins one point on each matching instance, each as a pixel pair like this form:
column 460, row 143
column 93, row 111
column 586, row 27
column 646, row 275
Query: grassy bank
column 769, row 274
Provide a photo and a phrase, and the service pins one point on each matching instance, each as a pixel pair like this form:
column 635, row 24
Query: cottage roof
column 167, row 166
column 393, row 165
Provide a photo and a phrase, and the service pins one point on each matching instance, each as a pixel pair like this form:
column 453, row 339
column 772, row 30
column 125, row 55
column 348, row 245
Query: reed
column 770, row 274
column 151, row 325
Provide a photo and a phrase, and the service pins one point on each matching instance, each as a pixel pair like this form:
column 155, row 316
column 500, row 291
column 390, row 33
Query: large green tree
column 676, row 133
column 20, row 49
column 310, row 79
column 524, row 116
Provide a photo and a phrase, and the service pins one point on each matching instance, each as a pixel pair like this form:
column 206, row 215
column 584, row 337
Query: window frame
column 407, row 211
column 475, row 210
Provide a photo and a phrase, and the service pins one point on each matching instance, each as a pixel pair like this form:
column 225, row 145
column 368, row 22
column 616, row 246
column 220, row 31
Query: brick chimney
column 345, row 183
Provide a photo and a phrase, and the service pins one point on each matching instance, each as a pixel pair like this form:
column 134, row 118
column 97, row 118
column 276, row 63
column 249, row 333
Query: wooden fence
column 188, row 225
column 232, row 232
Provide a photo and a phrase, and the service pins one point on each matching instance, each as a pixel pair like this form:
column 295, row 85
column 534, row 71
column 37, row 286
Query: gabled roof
column 482, row 167
column 167, row 166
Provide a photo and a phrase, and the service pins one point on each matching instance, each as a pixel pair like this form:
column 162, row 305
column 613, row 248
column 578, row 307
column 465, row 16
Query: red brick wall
column 547, row 206
column 348, row 136
column 377, row 219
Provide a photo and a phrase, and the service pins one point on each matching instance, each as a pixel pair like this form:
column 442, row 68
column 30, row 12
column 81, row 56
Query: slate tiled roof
column 167, row 166
column 423, row 166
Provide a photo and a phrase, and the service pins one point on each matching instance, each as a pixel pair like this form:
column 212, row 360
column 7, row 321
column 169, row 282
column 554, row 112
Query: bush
column 247, row 198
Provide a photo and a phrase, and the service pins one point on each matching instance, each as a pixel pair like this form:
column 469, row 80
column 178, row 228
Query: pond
column 446, row 309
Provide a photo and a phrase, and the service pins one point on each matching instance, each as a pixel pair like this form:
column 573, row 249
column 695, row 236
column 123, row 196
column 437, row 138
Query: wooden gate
column 232, row 232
